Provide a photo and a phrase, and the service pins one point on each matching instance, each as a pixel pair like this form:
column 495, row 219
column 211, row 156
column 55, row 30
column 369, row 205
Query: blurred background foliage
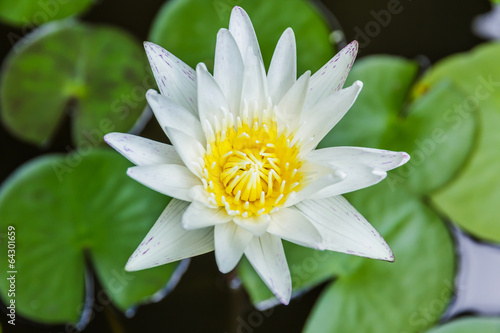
column 74, row 70
column 26, row 12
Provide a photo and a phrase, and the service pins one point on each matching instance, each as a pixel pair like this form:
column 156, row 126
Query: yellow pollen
column 250, row 168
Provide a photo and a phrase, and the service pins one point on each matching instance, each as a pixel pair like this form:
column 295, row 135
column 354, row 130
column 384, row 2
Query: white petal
column 211, row 100
column 291, row 225
column 254, row 89
column 199, row 216
column 170, row 179
column 170, row 114
column 189, row 149
column 326, row 114
column 200, row 195
column 267, row 256
column 175, row 79
column 356, row 178
column 376, row 158
column 319, row 177
column 363, row 167
column 142, row 151
column 230, row 243
column 331, row 77
column 283, row 69
column 167, row 241
column 290, row 106
column 242, row 30
column 344, row 229
column 255, row 224
column 228, row 69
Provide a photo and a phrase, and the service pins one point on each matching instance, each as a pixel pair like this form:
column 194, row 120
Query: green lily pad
column 66, row 208
column 97, row 75
column 30, row 13
column 385, row 297
column 470, row 325
column 200, row 20
column 472, row 198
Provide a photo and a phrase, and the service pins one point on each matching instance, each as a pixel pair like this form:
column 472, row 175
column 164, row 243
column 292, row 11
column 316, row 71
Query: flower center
column 250, row 167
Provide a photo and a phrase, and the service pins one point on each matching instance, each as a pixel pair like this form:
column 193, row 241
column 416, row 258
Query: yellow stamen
column 250, row 168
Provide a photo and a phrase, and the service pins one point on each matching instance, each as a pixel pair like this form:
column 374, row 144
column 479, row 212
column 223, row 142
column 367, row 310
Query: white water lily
column 242, row 169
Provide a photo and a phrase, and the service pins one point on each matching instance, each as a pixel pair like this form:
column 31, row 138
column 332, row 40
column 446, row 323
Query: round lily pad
column 96, row 75
column 30, row 13
column 472, row 198
column 64, row 209
column 188, row 29
column 470, row 325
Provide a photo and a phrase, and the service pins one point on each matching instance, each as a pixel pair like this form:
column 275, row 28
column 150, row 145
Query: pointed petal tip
column 306, row 76
column 201, row 67
column 350, row 51
column 222, row 32
column 237, row 14
column 238, row 9
column 222, row 268
column 289, row 31
column 285, row 300
column 387, row 254
column 131, row 172
column 151, row 96
column 352, row 48
column 129, row 268
column 406, row 158
column 112, row 138
column 151, row 45
column 283, row 297
column 389, row 258
column 225, row 267
column 287, row 296
column 109, row 137
column 132, row 264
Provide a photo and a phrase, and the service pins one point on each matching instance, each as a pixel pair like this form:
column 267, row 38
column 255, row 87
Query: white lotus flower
column 242, row 169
